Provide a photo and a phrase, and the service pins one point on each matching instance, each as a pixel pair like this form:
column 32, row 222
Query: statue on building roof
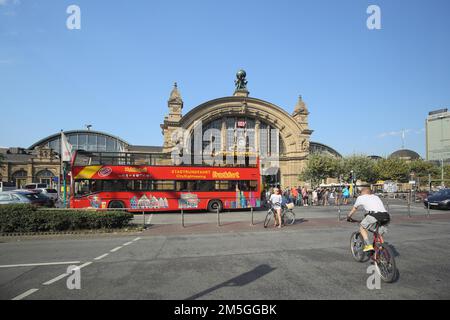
column 241, row 81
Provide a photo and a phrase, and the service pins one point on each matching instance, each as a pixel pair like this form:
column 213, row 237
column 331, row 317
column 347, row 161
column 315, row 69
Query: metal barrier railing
column 406, row 198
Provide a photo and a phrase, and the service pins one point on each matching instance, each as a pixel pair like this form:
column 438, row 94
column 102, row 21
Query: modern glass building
column 438, row 135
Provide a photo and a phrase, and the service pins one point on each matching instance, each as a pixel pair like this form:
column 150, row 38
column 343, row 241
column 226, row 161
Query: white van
column 34, row 186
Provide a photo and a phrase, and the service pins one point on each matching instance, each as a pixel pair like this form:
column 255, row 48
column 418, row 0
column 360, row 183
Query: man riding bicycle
column 375, row 214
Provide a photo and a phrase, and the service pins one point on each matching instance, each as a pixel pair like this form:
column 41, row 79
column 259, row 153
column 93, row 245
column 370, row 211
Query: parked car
column 9, row 197
column 34, row 186
column 7, row 186
column 36, row 198
column 439, row 200
column 49, row 193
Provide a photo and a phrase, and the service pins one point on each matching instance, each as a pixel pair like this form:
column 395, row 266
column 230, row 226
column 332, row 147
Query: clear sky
column 362, row 86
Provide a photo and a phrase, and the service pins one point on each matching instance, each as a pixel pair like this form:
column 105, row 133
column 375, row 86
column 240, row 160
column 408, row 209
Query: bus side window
column 82, row 187
column 204, row 186
column 130, row 185
column 182, row 186
column 222, row 186
column 243, row 186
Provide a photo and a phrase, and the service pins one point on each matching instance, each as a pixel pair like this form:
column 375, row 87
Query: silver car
column 49, row 193
column 13, row 198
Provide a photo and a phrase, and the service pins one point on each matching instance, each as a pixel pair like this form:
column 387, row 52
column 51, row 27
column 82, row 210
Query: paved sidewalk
column 241, row 222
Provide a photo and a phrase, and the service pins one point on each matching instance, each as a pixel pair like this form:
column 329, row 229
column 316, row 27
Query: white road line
column 26, row 294
column 85, row 265
column 137, row 239
column 116, row 249
column 39, row 264
column 101, row 257
column 55, row 279
column 64, row 275
column 127, row 244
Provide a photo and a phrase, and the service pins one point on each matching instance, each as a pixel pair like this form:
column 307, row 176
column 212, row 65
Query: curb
column 66, row 233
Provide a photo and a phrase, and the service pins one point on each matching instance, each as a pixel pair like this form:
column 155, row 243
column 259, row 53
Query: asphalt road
column 293, row 263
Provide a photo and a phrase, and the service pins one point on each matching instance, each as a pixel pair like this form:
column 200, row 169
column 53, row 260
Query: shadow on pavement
column 394, row 250
column 240, row 281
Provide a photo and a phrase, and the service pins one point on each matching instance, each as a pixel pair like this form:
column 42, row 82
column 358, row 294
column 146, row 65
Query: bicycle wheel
column 268, row 219
column 289, row 217
column 385, row 264
column 357, row 248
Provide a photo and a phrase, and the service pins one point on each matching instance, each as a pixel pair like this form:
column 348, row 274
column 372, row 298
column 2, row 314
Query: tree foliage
column 321, row 167
column 422, row 168
column 363, row 168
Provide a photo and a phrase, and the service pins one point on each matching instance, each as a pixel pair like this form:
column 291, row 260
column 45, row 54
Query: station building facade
column 240, row 118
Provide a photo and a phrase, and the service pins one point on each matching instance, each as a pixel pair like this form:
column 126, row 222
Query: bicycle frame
column 273, row 213
column 377, row 242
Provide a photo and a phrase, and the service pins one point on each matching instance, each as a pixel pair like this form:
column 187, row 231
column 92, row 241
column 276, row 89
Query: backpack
column 383, row 218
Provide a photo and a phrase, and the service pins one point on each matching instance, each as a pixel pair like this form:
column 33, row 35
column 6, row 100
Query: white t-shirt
column 370, row 203
column 276, row 200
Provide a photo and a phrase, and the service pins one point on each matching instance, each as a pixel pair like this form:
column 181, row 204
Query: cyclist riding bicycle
column 276, row 200
column 376, row 214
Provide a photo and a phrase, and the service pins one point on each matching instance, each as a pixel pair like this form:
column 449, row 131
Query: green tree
column 422, row 169
column 437, row 176
column 393, row 169
column 363, row 168
column 320, row 167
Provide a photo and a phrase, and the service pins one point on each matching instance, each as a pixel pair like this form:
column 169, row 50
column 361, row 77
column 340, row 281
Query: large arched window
column 45, row 176
column 237, row 135
column 85, row 140
column 20, row 178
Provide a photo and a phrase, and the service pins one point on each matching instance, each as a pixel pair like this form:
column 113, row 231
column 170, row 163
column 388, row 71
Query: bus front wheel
column 215, row 205
column 116, row 205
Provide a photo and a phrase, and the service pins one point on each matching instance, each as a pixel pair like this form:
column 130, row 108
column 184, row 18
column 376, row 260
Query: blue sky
column 362, row 87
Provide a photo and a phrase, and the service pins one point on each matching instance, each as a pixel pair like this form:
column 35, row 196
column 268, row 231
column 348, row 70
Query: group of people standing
column 301, row 196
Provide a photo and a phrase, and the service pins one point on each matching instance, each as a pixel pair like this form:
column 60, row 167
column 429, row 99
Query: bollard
column 182, row 218
column 339, row 211
column 428, row 212
column 143, row 217
column 409, row 204
column 388, row 203
column 218, row 217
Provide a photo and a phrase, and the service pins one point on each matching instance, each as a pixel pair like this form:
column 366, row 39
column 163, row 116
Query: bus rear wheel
column 215, row 205
column 116, row 205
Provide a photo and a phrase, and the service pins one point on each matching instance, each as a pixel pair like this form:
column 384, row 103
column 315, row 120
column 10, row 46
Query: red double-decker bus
column 138, row 182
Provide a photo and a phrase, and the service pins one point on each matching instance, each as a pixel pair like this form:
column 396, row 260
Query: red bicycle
column 382, row 257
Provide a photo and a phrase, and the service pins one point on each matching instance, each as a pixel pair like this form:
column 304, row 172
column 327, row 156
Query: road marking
column 127, row 244
column 116, row 249
column 85, row 265
column 56, row 279
column 26, row 294
column 64, row 275
column 101, row 257
column 39, row 264
column 137, row 239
